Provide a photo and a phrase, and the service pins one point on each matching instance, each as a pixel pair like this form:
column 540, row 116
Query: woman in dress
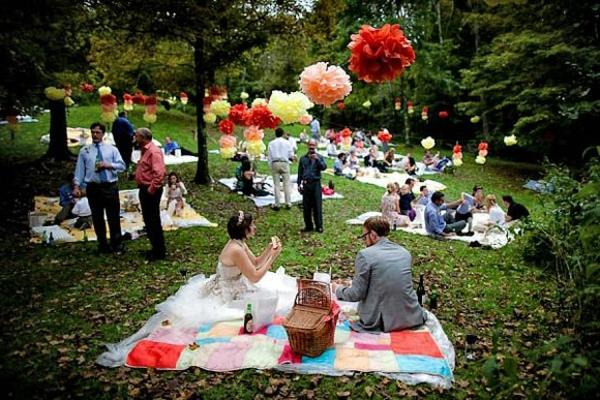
column 390, row 208
column 175, row 191
column 240, row 276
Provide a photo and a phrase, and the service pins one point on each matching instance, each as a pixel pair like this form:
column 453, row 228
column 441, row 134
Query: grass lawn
column 59, row 305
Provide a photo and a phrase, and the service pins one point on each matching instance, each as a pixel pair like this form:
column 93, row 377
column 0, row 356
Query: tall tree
column 218, row 31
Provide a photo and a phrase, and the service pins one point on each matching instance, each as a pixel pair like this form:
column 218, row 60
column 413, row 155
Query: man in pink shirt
column 149, row 175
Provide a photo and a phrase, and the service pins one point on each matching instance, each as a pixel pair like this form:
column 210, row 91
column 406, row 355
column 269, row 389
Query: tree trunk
column 202, row 175
column 57, row 149
column 404, row 92
column 439, row 20
column 484, row 120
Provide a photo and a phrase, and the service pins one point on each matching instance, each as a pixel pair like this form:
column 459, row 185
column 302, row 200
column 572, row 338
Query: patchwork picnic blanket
column 413, row 356
column 495, row 238
column 131, row 219
column 263, row 201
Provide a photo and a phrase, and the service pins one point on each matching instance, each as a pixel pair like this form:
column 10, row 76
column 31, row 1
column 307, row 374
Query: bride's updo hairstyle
column 238, row 225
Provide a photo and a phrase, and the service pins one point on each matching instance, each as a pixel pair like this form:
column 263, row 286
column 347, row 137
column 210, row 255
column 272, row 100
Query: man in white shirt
column 315, row 129
column 280, row 154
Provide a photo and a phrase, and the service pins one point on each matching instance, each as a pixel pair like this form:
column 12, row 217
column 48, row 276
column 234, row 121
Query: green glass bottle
column 248, row 328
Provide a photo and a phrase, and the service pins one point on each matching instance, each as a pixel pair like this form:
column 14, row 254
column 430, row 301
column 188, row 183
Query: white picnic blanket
column 263, row 201
column 495, row 238
column 382, row 180
column 169, row 159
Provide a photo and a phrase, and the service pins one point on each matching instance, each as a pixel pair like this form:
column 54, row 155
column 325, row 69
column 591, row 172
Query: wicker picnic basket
column 310, row 326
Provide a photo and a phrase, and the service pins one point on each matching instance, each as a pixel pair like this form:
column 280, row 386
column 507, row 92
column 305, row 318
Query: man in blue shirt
column 437, row 224
column 170, row 146
column 97, row 168
column 67, row 201
column 123, row 133
column 309, row 184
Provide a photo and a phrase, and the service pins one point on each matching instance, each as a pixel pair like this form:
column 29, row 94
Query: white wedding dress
column 221, row 297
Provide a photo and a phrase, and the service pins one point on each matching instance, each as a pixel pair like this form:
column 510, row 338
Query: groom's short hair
column 379, row 225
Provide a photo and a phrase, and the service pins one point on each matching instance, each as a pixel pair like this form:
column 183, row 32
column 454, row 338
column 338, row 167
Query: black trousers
column 312, row 204
column 105, row 197
column 125, row 146
column 151, row 212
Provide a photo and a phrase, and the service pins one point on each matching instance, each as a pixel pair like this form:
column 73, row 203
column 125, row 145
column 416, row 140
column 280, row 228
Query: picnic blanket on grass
column 169, row 158
column 263, row 201
column 131, row 219
column 495, row 238
column 382, row 180
column 412, row 356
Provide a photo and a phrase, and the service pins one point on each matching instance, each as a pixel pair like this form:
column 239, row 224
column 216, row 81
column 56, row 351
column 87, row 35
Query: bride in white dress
column 240, row 276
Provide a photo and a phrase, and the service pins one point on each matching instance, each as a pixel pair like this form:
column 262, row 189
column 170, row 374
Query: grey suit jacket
column 383, row 287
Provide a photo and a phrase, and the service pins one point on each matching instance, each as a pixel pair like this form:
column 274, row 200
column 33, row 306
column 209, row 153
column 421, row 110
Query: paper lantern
column 220, row 108
column 226, row 126
column 127, row 102
column 237, row 114
column 475, row 119
column 54, row 94
column 340, row 105
column 397, row 104
column 425, row 113
column 428, row 143
column 379, row 55
column 480, row 160
column 261, row 117
column 367, row 104
column 183, row 97
column 259, row 101
column 244, row 95
column 510, row 140
column 384, row 135
column 443, row 114
column 410, row 108
column 288, row 107
column 209, row 118
column 305, row 119
column 324, row 84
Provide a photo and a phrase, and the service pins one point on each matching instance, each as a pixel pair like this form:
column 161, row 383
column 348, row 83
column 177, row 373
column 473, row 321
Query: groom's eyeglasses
column 363, row 236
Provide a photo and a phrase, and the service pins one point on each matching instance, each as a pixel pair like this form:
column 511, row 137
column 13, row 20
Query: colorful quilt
column 223, row 347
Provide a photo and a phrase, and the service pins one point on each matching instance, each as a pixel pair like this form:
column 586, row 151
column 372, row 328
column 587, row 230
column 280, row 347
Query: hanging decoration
column 127, row 102
column 227, row 146
column 183, row 98
column 220, row 108
column 261, row 117
column 475, row 119
column 305, row 119
column 244, row 96
column 259, row 101
column 340, row 105
column 428, row 143
column 209, row 118
column 237, row 114
column 86, row 87
column 510, row 140
column 254, row 144
column 457, row 155
column 288, row 107
column 384, row 135
column 108, row 101
column 139, row 98
column 324, row 84
column 226, row 126
column 410, row 109
column 398, row 104
column 379, row 55
column 150, row 113
column 425, row 113
column 213, row 94
column 483, row 152
column 480, row 160
column 367, row 104
column 443, row 114
column 346, row 142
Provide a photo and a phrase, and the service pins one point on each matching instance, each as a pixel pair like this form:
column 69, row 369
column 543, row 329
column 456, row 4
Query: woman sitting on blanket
column 175, row 192
column 406, row 199
column 390, row 207
column 430, row 160
column 247, row 175
column 372, row 159
column 389, row 158
column 410, row 165
column 497, row 215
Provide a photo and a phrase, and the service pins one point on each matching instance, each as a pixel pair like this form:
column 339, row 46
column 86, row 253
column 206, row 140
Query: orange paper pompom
column 324, row 84
column 253, row 133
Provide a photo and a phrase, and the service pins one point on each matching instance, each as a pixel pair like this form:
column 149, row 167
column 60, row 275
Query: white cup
column 177, row 152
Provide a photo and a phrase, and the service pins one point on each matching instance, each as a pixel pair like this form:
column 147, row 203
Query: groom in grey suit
column 382, row 283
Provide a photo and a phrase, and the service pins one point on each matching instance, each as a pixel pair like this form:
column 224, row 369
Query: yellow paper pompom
column 128, row 106
column 210, row 118
column 480, row 160
column 227, row 152
column 244, row 95
column 367, row 104
column 428, row 143
column 220, row 108
column 289, row 107
column 68, row 101
column 255, row 147
column 510, row 140
column 104, row 90
column 475, row 119
column 259, row 101
column 457, row 162
column 53, row 93
column 108, row 116
column 149, row 118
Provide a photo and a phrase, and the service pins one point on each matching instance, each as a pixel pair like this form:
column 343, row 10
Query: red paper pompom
column 482, row 146
column 139, row 98
column 86, row 87
column 379, row 55
column 226, row 126
column 457, row 148
column 183, row 94
column 127, row 97
column 385, row 136
column 237, row 114
column 262, row 117
column 340, row 105
column 443, row 114
column 346, row 132
column 108, row 99
column 150, row 100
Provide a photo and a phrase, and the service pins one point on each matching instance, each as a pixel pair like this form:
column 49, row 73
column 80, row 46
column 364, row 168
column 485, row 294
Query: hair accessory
column 240, row 218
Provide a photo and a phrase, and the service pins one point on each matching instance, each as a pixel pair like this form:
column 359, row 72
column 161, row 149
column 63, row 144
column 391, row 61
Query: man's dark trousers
column 312, row 201
column 151, row 212
column 105, row 196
